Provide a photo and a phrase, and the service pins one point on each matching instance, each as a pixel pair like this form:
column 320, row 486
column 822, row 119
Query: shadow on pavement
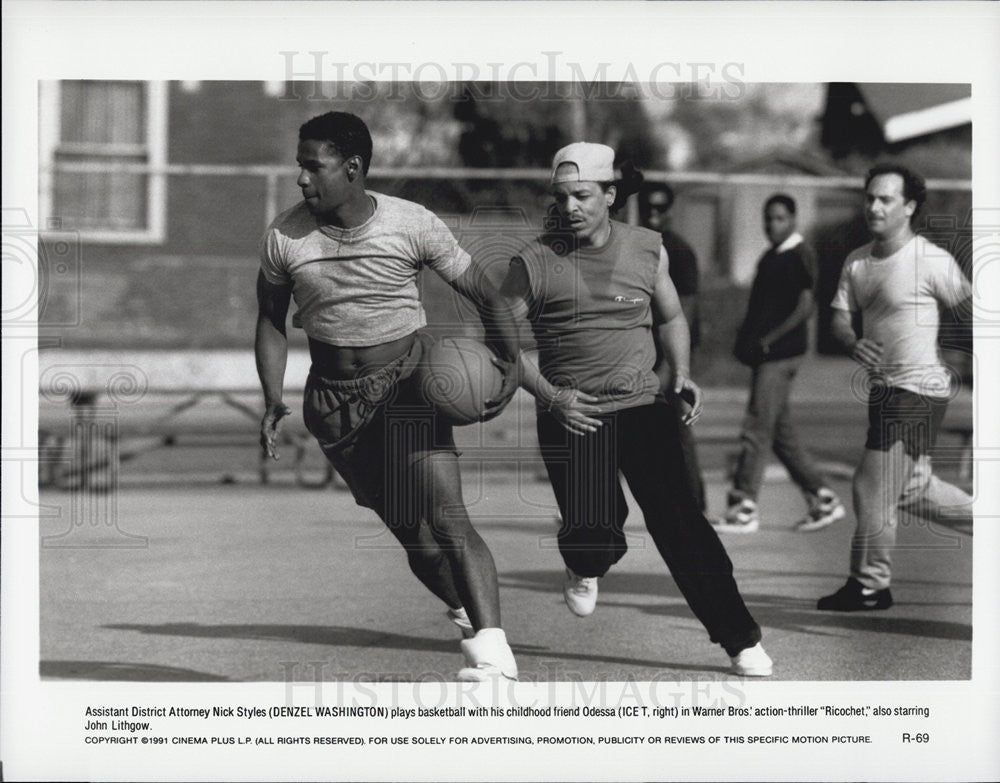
column 551, row 581
column 806, row 619
column 119, row 670
column 336, row 635
column 560, row 659
column 837, row 578
column 771, row 611
column 342, row 636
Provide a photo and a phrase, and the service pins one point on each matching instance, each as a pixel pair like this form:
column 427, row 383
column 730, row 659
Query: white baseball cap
column 592, row 163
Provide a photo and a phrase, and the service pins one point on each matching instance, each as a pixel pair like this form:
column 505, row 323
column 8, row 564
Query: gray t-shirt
column 358, row 286
column 899, row 298
column 591, row 313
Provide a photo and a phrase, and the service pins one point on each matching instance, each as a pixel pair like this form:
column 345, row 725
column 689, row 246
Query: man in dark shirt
column 683, row 261
column 683, row 270
column 772, row 341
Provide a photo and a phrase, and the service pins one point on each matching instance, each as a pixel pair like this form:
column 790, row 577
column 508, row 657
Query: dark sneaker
column 855, row 597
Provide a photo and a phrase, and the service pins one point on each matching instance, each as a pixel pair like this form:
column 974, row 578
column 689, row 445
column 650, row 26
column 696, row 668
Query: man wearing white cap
column 600, row 301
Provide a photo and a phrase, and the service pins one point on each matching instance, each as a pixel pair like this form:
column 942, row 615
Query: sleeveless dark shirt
column 591, row 313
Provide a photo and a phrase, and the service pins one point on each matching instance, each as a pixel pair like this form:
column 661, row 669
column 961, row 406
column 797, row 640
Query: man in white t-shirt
column 351, row 257
column 898, row 282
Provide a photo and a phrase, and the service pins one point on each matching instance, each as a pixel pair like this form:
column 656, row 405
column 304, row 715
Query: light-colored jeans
column 885, row 482
column 930, row 498
column 768, row 424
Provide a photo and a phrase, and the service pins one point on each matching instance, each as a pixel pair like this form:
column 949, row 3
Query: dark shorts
column 373, row 429
column 896, row 414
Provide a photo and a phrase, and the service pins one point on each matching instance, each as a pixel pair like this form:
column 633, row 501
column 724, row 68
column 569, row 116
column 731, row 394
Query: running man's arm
column 670, row 330
column 689, row 307
column 501, row 331
column 271, row 354
column 516, row 291
column 864, row 351
column 842, row 330
column 951, row 287
column 439, row 250
column 494, row 311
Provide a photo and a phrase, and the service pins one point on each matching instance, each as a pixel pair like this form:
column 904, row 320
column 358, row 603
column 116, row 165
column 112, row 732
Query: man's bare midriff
column 340, row 362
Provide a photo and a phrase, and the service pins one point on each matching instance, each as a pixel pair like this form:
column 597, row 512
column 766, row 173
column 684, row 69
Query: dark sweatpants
column 644, row 444
column 690, row 450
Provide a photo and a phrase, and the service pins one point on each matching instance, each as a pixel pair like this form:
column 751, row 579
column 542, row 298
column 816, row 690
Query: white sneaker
column 488, row 657
column 461, row 619
column 580, row 593
column 825, row 508
column 752, row 662
column 740, row 517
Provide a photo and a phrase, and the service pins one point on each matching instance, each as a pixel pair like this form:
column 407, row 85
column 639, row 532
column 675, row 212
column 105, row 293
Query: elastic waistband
column 382, row 376
column 396, row 370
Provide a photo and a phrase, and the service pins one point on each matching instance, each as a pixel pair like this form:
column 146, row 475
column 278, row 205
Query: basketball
column 457, row 376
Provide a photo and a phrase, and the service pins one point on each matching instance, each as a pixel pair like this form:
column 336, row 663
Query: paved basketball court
column 237, row 583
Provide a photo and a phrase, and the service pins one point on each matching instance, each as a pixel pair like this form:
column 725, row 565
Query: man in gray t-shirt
column 897, row 282
column 351, row 258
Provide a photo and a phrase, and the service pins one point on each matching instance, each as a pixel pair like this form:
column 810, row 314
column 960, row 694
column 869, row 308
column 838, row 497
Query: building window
column 90, row 130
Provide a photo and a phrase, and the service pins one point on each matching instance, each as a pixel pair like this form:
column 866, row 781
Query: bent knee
column 425, row 558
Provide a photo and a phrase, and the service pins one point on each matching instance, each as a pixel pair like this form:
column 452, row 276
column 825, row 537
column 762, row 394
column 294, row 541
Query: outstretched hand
column 270, row 427
column 495, row 405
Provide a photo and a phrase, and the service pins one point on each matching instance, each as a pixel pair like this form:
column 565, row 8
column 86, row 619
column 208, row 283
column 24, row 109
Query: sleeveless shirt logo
column 629, row 299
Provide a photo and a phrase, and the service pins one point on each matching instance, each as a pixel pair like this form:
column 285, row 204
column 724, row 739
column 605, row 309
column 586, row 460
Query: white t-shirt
column 899, row 298
column 358, row 286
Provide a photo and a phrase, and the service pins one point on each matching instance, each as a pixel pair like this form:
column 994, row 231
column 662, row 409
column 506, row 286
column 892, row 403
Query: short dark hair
column 784, row 199
column 345, row 132
column 661, row 188
column 914, row 187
